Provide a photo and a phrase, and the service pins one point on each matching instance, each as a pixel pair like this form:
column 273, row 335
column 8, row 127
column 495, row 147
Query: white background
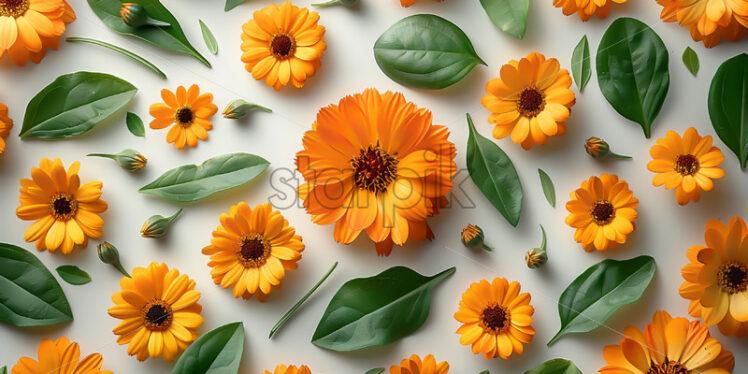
column 664, row 229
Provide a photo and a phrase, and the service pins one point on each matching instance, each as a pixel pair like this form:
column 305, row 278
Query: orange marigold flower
column 60, row 355
column 29, row 27
column 586, row 8
column 375, row 162
column 687, row 164
column 188, row 111
column 496, row 319
column 414, row 365
column 716, row 278
column 283, row 44
column 709, row 21
column 602, row 211
column 283, row 369
column 65, row 212
column 252, row 249
column 667, row 345
column 531, row 100
column 5, row 125
column 407, row 3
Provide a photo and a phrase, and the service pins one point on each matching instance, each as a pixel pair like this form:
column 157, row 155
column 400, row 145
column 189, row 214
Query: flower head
column 687, row 164
column 600, row 149
column 159, row 310
column 5, row 125
column 709, row 21
column 602, row 211
column 283, row 44
column 156, row 225
column 496, row 318
column 29, row 27
column 414, row 365
column 472, row 237
column 376, row 163
column 240, row 108
column 109, row 254
column 65, row 212
column 252, row 249
column 537, row 257
column 283, row 369
column 531, row 100
column 63, row 355
column 135, row 15
column 586, row 8
column 128, row 159
column 188, row 111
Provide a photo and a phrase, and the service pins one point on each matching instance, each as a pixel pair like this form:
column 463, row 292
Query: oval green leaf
column 194, row 182
column 580, row 64
column 29, row 294
column 494, row 174
column 73, row 275
column 632, row 71
column 217, row 352
column 555, row 366
column 210, row 40
column 425, row 51
column 376, row 371
column 728, row 105
column 377, row 311
column 601, row 290
column 171, row 38
column 120, row 50
column 73, row 104
column 135, row 125
column 508, row 15
column 231, row 4
column 548, row 190
column 691, row 60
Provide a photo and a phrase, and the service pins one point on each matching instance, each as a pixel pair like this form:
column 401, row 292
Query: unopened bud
column 241, row 108
column 129, row 159
column 156, row 226
column 472, row 237
column 600, row 149
column 135, row 15
column 537, row 257
column 109, row 254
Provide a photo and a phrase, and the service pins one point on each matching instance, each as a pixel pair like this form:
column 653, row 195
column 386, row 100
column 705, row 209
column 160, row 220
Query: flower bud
column 136, row 16
column 156, row 226
column 109, row 254
column 240, row 108
column 600, row 149
column 537, row 257
column 129, row 159
column 338, row 2
column 472, row 237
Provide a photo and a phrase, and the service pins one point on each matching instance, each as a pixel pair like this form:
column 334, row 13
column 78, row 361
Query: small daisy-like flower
column 60, row 356
column 188, row 111
column 496, row 318
column 414, row 365
column 283, row 369
column 5, row 125
column 29, row 27
column 687, row 164
column 586, row 8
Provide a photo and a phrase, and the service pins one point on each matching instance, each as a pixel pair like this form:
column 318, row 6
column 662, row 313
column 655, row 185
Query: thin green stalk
column 123, row 51
column 288, row 314
column 617, row 156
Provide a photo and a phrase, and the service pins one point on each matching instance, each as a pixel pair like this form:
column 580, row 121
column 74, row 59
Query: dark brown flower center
column 63, row 206
column 531, row 102
column 254, row 250
column 374, row 169
column 496, row 319
column 282, row 46
column 185, row 116
column 687, row 164
column 733, row 277
column 668, row 367
column 157, row 315
column 13, row 8
column 603, row 212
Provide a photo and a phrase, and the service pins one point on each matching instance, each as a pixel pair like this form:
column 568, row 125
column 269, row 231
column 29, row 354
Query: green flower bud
column 537, row 257
column 109, row 254
column 129, row 159
column 135, row 15
column 472, row 237
column 156, row 226
column 338, row 2
column 240, row 108
column 600, row 149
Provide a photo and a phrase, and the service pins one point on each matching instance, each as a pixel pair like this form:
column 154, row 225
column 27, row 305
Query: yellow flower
column 159, row 312
column 687, row 164
column 716, row 279
column 283, row 44
column 531, row 100
column 60, row 356
column 252, row 249
column 586, row 8
column 189, row 111
column 602, row 211
column 29, row 27
column 709, row 21
column 5, row 125
column 496, row 319
column 65, row 212
column 283, row 369
column 668, row 346
column 414, row 365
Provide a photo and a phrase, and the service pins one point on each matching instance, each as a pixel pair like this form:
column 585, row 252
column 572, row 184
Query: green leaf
column 171, row 38
column 210, row 40
column 4, row 370
column 29, row 294
column 73, row 104
column 580, row 63
column 217, row 352
column 135, row 125
column 601, row 290
column 485, row 372
column 548, row 190
column 123, row 51
column 377, row 311
column 425, row 51
column 728, row 105
column 494, row 174
column 555, row 366
column 691, row 60
column 73, row 275
column 194, row 182
column 231, row 4
column 632, row 71
column 376, row 371
column 508, row 15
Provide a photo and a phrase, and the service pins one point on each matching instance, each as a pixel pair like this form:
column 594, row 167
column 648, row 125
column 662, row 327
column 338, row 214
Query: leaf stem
column 123, row 51
column 106, row 155
column 619, row 157
column 175, row 215
column 328, row 3
column 542, row 245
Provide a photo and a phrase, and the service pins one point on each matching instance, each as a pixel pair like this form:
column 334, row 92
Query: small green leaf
column 548, row 190
column 376, row 371
column 123, row 51
column 691, row 60
column 210, row 40
column 4, row 370
column 555, row 366
column 231, row 4
column 728, row 105
column 485, row 372
column 508, row 15
column 135, row 125
column 73, row 275
column 580, row 63
column 217, row 352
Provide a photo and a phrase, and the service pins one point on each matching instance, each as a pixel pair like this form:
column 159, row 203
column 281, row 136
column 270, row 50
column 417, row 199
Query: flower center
column 63, row 206
column 13, row 8
column 495, row 319
column 157, row 315
column 374, row 169
column 733, row 277
column 603, row 212
column 185, row 116
column 254, row 251
column 668, row 367
column 531, row 102
column 687, row 164
column 282, row 46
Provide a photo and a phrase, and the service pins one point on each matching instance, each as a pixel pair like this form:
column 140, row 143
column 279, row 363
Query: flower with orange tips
column 586, row 8
column 414, row 365
column 530, row 101
column 376, row 163
column 29, row 27
column 668, row 346
column 60, row 356
column 602, row 211
column 5, row 125
column 188, row 111
column 709, row 21
column 283, row 44
column 687, row 164
column 283, row 369
column 407, row 3
column 716, row 278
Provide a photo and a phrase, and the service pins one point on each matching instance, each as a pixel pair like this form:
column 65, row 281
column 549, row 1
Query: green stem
column 123, row 51
column 175, row 215
column 288, row 314
column 619, row 157
column 542, row 245
column 329, row 3
column 122, row 270
column 106, row 155
column 487, row 248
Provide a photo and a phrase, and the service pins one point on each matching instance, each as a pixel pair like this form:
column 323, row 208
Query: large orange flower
column 293, row 369
column 188, row 111
column 414, row 365
column 586, row 8
column 709, row 21
column 29, row 27
column 375, row 162
column 60, row 356
column 5, row 125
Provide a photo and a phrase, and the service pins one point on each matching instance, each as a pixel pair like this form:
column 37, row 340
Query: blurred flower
column 537, row 257
column 283, row 369
column 414, row 365
column 156, row 226
column 472, row 237
column 241, row 108
column 600, row 149
column 709, row 21
column 586, row 8
column 109, row 254
column 5, row 125
column 29, row 27
column 188, row 111
column 136, row 16
column 60, row 356
column 128, row 159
